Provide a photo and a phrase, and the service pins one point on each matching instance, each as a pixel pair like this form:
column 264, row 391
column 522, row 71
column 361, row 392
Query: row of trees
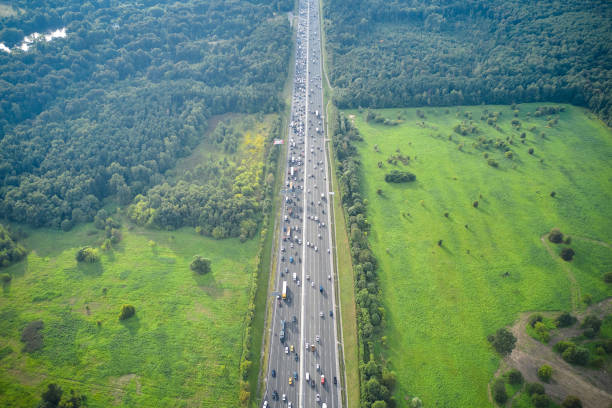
column 414, row 53
column 108, row 110
column 377, row 381
column 10, row 250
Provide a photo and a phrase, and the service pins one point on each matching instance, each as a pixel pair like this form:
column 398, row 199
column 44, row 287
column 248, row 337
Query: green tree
column 545, row 373
column 571, row 401
column 503, row 341
column 87, row 254
column 52, row 396
column 499, row 391
column 515, row 377
column 200, row 265
column 126, row 312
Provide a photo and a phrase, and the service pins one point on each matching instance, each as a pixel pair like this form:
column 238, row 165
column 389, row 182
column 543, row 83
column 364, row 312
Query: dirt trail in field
column 568, row 270
column 593, row 387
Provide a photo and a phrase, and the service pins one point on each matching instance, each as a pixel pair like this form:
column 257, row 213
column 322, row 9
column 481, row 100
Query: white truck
column 284, row 290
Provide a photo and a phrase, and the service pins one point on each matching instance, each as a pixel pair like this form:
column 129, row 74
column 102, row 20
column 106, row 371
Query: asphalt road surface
column 303, row 346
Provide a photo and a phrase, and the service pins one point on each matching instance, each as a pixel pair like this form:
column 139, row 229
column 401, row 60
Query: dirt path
column 593, row 387
column 576, row 296
column 593, row 241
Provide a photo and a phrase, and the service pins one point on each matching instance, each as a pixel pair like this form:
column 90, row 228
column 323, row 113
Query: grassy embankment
column 443, row 301
column 183, row 347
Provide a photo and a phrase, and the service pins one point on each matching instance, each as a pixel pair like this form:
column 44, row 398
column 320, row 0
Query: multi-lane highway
column 303, row 368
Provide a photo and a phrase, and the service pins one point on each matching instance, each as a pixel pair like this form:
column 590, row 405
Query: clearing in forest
column 459, row 249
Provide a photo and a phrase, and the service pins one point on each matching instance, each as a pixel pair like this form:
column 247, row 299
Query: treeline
column 377, row 381
column 448, row 52
column 107, row 110
column 220, row 198
column 10, row 250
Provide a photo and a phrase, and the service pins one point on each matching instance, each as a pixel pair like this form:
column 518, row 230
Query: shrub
column 87, row 254
column 499, row 391
column 540, row 400
column 535, row 318
column 571, row 401
column 515, row 377
column 576, row 355
column 5, row 278
column 565, row 320
column 503, row 341
column 563, row 345
column 545, row 373
column 127, row 311
column 567, row 254
column 589, row 333
column 593, row 322
column 32, row 336
column 492, row 163
column 200, row 265
column 553, row 194
column 530, row 151
column 534, row 388
column 608, row 277
column 475, row 204
column 396, row 176
column 555, row 236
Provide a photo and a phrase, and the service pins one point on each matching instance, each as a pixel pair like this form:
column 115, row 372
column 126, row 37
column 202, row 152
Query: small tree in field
column 545, row 373
column 503, row 341
column 571, row 401
column 555, row 236
column 200, row 265
column 567, row 254
column 515, row 377
column 127, row 311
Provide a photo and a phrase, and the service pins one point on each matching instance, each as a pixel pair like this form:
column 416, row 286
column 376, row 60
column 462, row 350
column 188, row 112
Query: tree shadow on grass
column 208, row 284
column 132, row 324
column 90, row 269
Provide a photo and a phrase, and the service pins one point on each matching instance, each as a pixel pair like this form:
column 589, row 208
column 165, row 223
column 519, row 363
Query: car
column 265, row 405
column 297, row 356
column 331, row 313
column 328, row 277
column 295, row 375
column 307, row 277
column 318, row 398
column 289, row 406
column 322, row 379
column 312, row 284
column 290, row 380
column 307, row 376
column 284, row 397
column 275, row 396
column 316, row 249
column 291, row 348
column 318, row 367
column 335, row 380
column 273, row 373
column 307, row 346
column 321, row 314
column 286, row 350
column 317, row 338
column 321, row 288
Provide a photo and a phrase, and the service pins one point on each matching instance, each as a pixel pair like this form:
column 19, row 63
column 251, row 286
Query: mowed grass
column 442, row 301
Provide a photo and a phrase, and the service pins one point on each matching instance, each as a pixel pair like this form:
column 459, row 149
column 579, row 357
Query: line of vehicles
column 300, row 314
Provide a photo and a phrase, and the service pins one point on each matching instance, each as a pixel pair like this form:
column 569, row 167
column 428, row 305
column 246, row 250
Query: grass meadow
column 443, row 300
column 182, row 348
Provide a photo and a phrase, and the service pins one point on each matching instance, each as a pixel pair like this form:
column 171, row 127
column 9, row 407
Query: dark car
column 273, row 373
column 331, row 313
column 335, row 381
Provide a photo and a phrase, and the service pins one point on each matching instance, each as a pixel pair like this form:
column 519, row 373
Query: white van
column 307, row 376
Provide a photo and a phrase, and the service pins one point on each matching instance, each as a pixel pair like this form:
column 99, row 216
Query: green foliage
column 571, row 401
column 394, row 53
column 200, row 265
column 540, row 400
column 126, row 312
column 396, row 176
column 555, row 236
column 576, row 355
column 545, row 373
column 52, row 398
column 593, row 322
column 87, row 254
column 10, row 250
column 565, row 319
column 515, row 377
column 499, row 391
column 503, row 341
column 567, row 254
column 5, row 278
column 32, row 336
column 108, row 110
column 534, row 389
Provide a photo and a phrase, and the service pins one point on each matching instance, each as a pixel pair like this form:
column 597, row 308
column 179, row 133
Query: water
column 32, row 38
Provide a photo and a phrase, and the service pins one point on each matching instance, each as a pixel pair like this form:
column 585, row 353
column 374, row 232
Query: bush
column 535, row 388
column 540, row 400
column 530, row 151
column 87, row 254
column 475, row 204
column 608, row 277
column 503, row 341
column 563, row 345
column 200, row 265
column 127, row 311
column 545, row 373
column 535, row 318
column 32, row 336
column 567, row 254
column 499, row 391
column 5, row 278
column 571, row 401
column 515, row 377
column 555, row 236
column 492, row 163
column 576, row 355
column 565, row 319
column 591, row 321
column 396, row 176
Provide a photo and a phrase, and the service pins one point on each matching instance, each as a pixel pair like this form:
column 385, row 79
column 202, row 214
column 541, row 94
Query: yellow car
column 290, row 380
column 291, row 348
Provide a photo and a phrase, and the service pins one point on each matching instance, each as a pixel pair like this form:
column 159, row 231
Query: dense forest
column 107, row 110
column 446, row 52
column 10, row 250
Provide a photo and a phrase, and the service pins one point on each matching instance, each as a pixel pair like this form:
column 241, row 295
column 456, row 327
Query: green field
column 442, row 301
column 184, row 345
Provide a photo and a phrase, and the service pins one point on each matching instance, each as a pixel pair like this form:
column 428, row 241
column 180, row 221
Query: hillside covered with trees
column 107, row 110
column 451, row 52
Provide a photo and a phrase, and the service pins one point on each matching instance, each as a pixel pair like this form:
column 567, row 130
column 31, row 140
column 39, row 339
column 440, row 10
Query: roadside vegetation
column 464, row 248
